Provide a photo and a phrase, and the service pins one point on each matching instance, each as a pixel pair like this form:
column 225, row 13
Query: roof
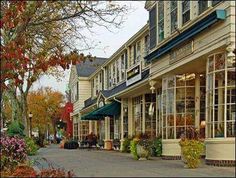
column 86, row 68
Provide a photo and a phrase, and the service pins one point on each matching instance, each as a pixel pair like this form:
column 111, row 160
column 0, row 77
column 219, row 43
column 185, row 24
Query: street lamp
column 30, row 119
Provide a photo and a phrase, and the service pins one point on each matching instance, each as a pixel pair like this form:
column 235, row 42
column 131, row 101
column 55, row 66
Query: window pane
column 214, row 2
column 219, row 61
column 202, row 6
column 231, row 129
column 211, row 64
column 219, row 129
column 179, row 131
column 170, row 132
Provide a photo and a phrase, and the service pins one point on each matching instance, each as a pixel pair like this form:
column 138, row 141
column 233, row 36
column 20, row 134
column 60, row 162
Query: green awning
column 111, row 110
column 91, row 116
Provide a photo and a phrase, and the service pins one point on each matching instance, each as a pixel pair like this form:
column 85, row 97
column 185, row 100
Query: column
column 197, row 101
column 122, row 120
column 143, row 113
column 95, row 127
column 130, row 118
column 90, row 126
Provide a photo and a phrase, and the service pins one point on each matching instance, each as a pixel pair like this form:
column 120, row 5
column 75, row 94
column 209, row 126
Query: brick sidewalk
column 97, row 163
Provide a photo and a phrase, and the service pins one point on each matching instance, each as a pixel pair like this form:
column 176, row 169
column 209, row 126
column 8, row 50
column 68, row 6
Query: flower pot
column 142, row 153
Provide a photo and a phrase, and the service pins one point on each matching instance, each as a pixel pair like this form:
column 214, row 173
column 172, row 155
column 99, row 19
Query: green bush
column 191, row 150
column 31, row 146
column 157, row 147
column 126, row 146
column 16, row 128
column 133, row 148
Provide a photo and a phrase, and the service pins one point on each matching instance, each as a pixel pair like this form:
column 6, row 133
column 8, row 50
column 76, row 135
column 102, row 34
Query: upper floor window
column 185, row 11
column 92, row 87
column 146, row 45
column 122, row 66
column 126, row 59
column 96, row 85
column 118, row 70
column 114, row 74
column 160, row 21
column 109, row 78
column 173, row 14
column 134, row 57
column 152, row 27
column 214, row 2
column 138, row 51
column 202, row 6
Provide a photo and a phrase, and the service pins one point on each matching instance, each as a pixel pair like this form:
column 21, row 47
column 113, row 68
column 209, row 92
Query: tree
column 39, row 36
column 45, row 105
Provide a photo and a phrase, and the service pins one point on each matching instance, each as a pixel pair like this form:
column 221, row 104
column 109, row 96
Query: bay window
column 221, row 96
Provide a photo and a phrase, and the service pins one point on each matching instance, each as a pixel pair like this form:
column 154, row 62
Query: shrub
column 72, row 144
column 133, row 148
column 16, row 128
column 157, row 146
column 126, row 146
column 13, row 152
column 31, row 146
column 24, row 171
column 191, row 147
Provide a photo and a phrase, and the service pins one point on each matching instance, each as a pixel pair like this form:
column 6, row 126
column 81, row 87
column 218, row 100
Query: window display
column 220, row 96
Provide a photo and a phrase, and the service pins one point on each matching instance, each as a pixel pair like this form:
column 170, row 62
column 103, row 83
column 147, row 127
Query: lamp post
column 30, row 119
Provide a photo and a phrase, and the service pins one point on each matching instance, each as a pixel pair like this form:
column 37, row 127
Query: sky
column 110, row 42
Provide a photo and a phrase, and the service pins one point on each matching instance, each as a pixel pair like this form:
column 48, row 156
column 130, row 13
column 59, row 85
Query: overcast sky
column 109, row 41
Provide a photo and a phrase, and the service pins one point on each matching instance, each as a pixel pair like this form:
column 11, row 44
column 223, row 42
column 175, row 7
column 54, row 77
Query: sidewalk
column 99, row 163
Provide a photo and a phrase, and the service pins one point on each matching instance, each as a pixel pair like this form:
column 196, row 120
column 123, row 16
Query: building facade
column 177, row 71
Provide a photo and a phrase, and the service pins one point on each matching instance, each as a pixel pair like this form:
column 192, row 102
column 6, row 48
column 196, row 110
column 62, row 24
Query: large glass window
column 160, row 21
column 202, row 6
column 158, row 113
column 137, row 113
column 221, row 96
column 101, row 129
column 178, row 105
column 125, row 118
column 150, row 114
column 185, row 11
column 173, row 15
column 117, row 128
column 84, row 129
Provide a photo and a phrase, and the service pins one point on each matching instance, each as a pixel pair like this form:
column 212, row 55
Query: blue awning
column 203, row 24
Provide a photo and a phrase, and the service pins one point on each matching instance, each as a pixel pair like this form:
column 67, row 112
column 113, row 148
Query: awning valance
column 111, row 110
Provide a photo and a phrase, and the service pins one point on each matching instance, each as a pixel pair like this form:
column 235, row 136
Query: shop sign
column 133, row 74
column 181, row 52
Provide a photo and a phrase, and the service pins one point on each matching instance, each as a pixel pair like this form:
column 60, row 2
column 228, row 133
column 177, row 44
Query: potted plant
column 140, row 147
column 191, row 147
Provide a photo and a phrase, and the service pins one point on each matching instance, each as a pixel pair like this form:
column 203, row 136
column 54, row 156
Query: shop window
column 76, row 131
column 101, row 129
column 125, row 118
column 178, row 105
column 173, row 15
column 185, row 11
column 158, row 113
column 117, row 128
column 111, row 128
column 84, row 129
column 202, row 6
column 150, row 114
column 160, row 21
column 137, row 114
column 220, row 96
column 152, row 27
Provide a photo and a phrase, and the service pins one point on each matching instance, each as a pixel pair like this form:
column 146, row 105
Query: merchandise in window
column 221, row 96
column 137, row 113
